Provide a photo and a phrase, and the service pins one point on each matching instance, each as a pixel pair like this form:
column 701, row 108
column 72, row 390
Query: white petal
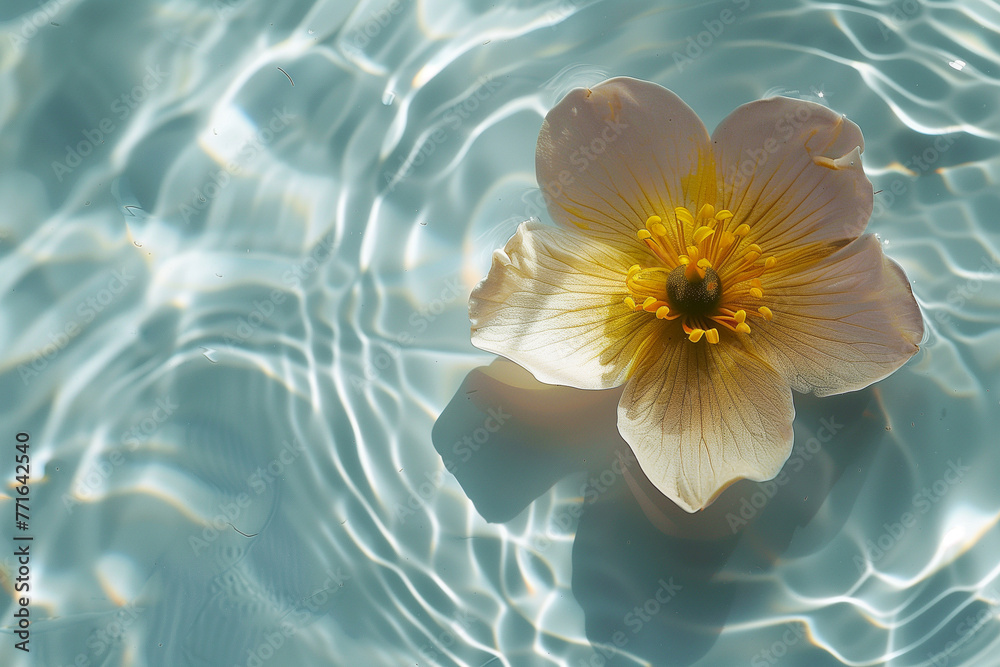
column 610, row 156
column 553, row 303
column 701, row 416
column 792, row 171
column 841, row 324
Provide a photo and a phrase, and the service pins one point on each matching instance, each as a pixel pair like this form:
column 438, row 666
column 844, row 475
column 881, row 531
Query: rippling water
column 236, row 245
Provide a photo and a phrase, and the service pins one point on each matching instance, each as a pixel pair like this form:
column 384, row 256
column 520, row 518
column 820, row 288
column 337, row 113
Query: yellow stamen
column 753, row 247
column 702, row 233
column 652, row 220
column 707, row 211
column 630, row 302
column 684, row 259
column 694, row 271
column 712, row 336
column 704, row 263
column 756, row 292
column 662, row 312
column 770, row 262
column 723, row 215
column 740, row 316
column 632, row 270
column 659, row 230
column 742, row 230
column 766, row 312
column 644, row 234
column 684, row 215
column 742, row 327
column 696, row 335
column 651, row 305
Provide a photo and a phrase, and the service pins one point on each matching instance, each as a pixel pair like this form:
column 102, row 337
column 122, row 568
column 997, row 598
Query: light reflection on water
column 234, row 324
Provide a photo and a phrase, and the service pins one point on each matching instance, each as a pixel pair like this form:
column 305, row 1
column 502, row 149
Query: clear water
column 236, row 244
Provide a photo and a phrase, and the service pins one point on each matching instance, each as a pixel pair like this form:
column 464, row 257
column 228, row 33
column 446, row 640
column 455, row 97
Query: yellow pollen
column 704, row 263
column 742, row 327
column 742, row 230
column 653, row 219
column 643, row 234
column 662, row 312
column 702, row 233
column 753, row 247
column 723, row 215
column 650, row 300
column 712, row 336
column 684, row 259
column 770, row 262
column 659, row 230
column 756, row 292
column 630, row 302
column 740, row 316
column 707, row 211
column 692, row 251
column 766, row 312
column 684, row 215
column 696, row 335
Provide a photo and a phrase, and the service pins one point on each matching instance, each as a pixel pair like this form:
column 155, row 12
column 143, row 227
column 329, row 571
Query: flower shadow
column 508, row 438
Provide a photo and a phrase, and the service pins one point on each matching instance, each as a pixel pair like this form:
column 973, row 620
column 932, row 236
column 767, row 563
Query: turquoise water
column 236, row 246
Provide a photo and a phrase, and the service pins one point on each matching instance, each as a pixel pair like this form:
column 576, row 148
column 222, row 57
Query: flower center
column 697, row 296
column 702, row 272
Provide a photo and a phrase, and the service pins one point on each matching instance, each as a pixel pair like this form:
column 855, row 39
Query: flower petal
column 699, row 417
column 845, row 322
column 792, row 171
column 611, row 156
column 553, row 303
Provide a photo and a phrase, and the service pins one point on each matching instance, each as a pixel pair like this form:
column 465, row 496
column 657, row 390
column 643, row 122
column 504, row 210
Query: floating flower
column 710, row 275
